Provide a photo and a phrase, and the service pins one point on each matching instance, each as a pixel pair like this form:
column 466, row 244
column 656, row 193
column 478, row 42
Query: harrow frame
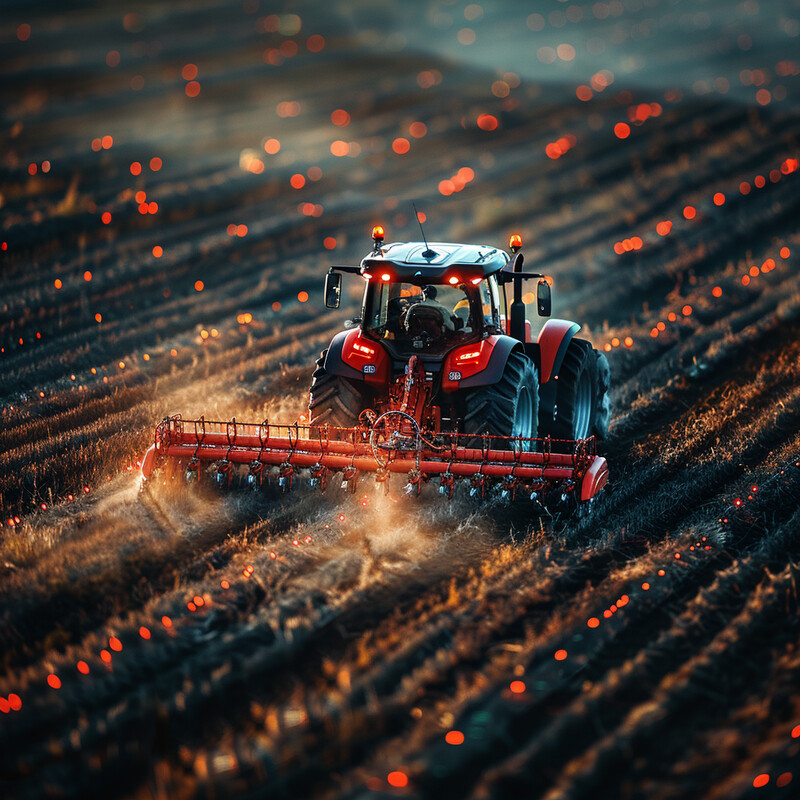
column 532, row 467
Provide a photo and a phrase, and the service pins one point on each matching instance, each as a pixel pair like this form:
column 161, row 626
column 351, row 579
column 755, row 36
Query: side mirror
column 333, row 289
column 543, row 303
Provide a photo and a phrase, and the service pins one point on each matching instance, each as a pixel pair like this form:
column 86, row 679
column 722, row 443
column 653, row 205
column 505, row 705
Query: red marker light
column 386, row 276
column 515, row 242
column 453, row 281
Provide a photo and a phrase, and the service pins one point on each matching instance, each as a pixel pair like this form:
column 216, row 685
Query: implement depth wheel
column 508, row 408
column 333, row 399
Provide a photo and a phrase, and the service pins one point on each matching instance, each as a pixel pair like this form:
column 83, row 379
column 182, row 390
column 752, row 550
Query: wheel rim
column 523, row 419
column 583, row 406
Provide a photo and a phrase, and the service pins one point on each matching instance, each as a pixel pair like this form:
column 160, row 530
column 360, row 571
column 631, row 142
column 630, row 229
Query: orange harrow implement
column 389, row 444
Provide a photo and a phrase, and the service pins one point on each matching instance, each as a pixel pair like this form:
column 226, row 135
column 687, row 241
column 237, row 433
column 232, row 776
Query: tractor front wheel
column 508, row 408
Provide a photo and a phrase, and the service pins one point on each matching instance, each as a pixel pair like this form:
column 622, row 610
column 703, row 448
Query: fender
column 485, row 369
column 554, row 339
column 354, row 356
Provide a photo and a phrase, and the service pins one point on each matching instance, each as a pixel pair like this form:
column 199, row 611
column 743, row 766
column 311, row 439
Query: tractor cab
column 427, row 299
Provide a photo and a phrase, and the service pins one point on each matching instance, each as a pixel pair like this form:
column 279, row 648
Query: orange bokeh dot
column 760, row 181
column 241, row 231
column 622, row 130
column 297, row 181
column 584, row 93
column 24, row 32
column 397, row 779
column 15, row 702
column 785, row 252
column 646, row 586
column 155, row 163
column 446, row 187
column 454, row 737
column 686, row 310
column 53, row 681
column 57, row 283
column 192, row 89
column 189, row 72
column 97, row 144
column 106, row 218
column 593, row 622
column 719, row 199
column 690, row 212
column 136, row 168
column 783, row 780
column 106, row 656
column 401, row 146
column 340, row 117
column 717, row 291
column 144, row 632
column 517, row 687
column 744, row 187
column 276, row 306
column 158, row 251
column 761, row 780
column 199, row 286
column 487, row 122
column 87, row 276
column 329, row 243
column 152, row 207
column 745, row 280
column 107, row 142
column 272, row 146
column 302, row 297
column 83, row 668
column 417, row 129
column 315, row 43
column 114, row 643
column 339, row 148
column 560, row 655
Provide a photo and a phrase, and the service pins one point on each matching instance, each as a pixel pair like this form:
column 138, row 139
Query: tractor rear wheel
column 575, row 396
column 602, row 404
column 509, row 407
column 333, row 399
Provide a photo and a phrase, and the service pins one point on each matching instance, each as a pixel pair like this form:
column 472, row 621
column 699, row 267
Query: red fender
column 594, row 479
column 148, row 461
column 554, row 338
column 367, row 357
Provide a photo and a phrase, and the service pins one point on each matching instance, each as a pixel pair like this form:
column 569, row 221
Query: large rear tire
column 602, row 404
column 509, row 407
column 333, row 399
column 575, row 395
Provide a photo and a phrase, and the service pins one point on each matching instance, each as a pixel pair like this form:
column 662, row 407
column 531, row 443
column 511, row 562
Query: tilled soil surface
column 175, row 180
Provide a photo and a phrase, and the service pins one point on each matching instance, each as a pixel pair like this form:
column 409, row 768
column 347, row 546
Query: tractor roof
column 415, row 262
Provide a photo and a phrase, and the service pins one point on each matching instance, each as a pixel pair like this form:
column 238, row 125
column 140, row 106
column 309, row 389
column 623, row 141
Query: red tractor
column 439, row 378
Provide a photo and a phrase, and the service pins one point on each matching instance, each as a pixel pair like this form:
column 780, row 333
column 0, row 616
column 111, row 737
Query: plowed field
column 175, row 180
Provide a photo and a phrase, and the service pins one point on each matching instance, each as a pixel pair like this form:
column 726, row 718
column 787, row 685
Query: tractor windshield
column 429, row 318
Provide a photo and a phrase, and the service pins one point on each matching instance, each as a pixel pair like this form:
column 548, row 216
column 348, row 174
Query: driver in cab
column 428, row 319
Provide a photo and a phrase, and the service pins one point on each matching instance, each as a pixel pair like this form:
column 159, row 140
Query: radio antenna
column 428, row 252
